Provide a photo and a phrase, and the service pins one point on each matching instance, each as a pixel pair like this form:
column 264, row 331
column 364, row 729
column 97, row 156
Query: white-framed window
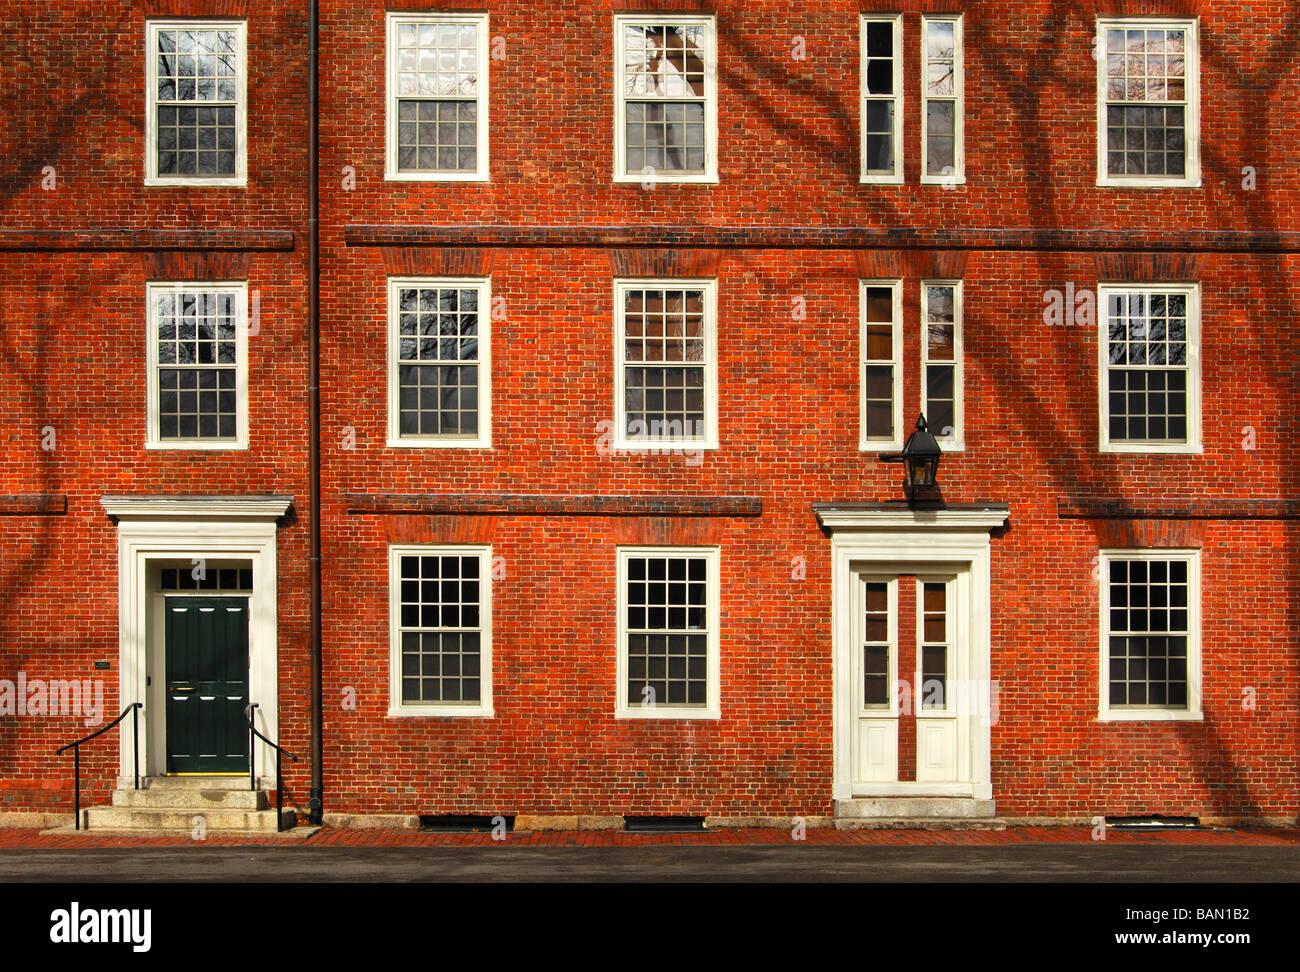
column 1148, row 102
column 197, row 373
column 1150, row 661
column 880, row 375
column 196, row 103
column 437, row 104
column 934, row 640
column 668, row 633
column 882, row 98
column 943, row 151
column 666, row 369
column 941, row 361
column 1149, row 368
column 439, row 362
column 665, row 98
column 440, row 638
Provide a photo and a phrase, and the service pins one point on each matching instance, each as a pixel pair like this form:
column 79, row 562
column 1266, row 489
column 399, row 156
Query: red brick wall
column 788, row 156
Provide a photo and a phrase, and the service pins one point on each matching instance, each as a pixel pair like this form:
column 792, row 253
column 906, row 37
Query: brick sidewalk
column 25, row 839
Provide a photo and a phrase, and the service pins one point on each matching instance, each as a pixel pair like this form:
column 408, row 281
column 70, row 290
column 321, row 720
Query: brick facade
column 788, row 224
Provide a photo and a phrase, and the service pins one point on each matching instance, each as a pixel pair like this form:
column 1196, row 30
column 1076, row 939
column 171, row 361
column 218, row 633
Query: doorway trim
column 873, row 537
column 167, row 528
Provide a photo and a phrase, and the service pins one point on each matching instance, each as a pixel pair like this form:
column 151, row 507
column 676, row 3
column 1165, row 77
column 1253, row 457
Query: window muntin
column 666, row 358
column 1148, row 103
column 197, row 374
column 941, row 360
column 440, row 654
column 439, row 362
column 1150, row 372
column 880, row 368
column 933, row 643
column 668, row 633
column 1150, row 621
column 878, row 643
column 882, row 99
column 437, row 97
column 195, row 102
column 665, row 99
column 942, row 83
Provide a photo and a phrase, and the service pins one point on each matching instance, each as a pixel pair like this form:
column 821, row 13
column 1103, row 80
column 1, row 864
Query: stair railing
column 252, row 764
column 134, row 709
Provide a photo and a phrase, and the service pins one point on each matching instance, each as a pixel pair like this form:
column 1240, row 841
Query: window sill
column 1151, row 448
column 439, row 443
column 946, row 181
column 1121, row 183
column 880, row 180
column 231, row 446
column 441, row 712
column 1150, row 715
column 390, row 176
column 667, row 713
column 895, row 446
column 659, row 178
column 231, row 182
column 667, row 445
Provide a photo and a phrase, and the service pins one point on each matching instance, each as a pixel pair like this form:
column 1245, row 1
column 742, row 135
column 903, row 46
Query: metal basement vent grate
column 1154, row 822
column 664, row 825
column 464, row 823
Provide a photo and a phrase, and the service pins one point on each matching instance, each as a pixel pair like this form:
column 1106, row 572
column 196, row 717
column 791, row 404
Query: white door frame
column 171, row 528
column 874, row 538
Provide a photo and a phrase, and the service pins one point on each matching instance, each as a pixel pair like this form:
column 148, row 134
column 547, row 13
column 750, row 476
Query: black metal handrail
column 133, row 708
column 252, row 764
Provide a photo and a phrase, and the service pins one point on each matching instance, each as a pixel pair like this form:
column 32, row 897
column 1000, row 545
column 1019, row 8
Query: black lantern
column 920, row 457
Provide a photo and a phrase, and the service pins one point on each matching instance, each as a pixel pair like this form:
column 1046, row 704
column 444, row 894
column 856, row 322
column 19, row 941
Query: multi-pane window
column 440, row 655
column 439, row 362
column 877, row 645
column 1150, row 373
column 933, row 645
column 197, row 375
column 942, row 148
column 668, row 630
column 881, row 349
column 196, row 78
column 882, row 99
column 437, row 96
column 1147, row 101
column 665, row 99
column 941, row 360
column 1150, row 634
column 665, row 351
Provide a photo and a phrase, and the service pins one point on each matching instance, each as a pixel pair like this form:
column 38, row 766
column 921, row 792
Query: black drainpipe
column 313, row 406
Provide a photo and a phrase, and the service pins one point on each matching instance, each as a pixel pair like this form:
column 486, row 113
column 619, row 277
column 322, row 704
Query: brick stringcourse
column 823, row 238
column 142, row 239
column 546, row 505
column 1101, row 508
column 34, row 504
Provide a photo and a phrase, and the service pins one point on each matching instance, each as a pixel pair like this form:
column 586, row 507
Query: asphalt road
column 1061, row 863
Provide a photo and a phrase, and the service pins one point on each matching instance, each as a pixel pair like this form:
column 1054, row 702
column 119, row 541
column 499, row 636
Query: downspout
column 313, row 406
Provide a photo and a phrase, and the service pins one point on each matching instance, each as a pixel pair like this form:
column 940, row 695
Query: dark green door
column 207, row 684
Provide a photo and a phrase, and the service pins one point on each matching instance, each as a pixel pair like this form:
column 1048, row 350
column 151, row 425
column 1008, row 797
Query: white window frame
column 1192, row 91
column 958, row 98
column 153, row 437
column 957, row 441
column 713, row 708
column 666, row 443
column 896, row 443
column 151, row 176
column 483, row 440
column 396, row 20
column 1193, row 445
column 709, row 23
column 483, row 709
column 878, row 178
column 1193, row 712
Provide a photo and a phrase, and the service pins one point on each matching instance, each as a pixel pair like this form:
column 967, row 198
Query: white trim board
column 151, row 529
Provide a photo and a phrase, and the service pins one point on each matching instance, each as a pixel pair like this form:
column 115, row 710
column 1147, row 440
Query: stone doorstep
column 182, row 819
column 914, row 808
column 293, row 833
